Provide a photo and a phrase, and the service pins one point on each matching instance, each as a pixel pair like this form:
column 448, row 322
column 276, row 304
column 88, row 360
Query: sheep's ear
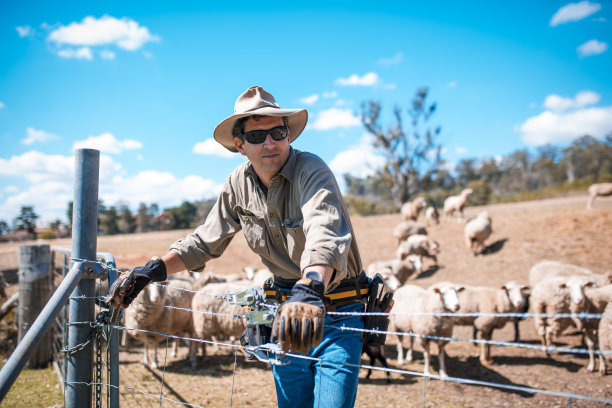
column 589, row 284
column 525, row 288
column 562, row 286
column 504, row 287
column 460, row 289
column 437, row 290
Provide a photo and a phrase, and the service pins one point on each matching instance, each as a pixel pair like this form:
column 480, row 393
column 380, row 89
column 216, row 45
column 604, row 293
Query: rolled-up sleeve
column 210, row 239
column 326, row 227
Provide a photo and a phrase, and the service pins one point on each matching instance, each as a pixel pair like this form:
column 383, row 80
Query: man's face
column 268, row 157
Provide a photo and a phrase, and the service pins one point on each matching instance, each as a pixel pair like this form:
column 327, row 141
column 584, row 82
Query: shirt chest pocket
column 254, row 229
column 296, row 240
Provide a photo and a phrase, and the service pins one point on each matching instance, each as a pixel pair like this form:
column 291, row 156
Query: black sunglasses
column 259, row 136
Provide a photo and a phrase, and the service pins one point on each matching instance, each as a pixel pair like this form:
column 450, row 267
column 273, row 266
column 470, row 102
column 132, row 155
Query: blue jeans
column 329, row 383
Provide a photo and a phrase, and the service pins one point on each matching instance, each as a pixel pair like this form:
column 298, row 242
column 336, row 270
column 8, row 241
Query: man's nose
column 269, row 140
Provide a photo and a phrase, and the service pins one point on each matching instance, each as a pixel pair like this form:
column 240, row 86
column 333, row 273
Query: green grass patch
column 35, row 389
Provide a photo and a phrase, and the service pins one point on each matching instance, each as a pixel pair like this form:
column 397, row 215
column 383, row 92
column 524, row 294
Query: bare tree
column 410, row 154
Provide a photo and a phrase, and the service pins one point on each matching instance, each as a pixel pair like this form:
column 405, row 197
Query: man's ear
column 238, row 145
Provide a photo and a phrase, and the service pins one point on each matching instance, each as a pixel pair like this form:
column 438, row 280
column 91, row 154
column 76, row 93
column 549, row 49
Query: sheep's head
column 449, row 295
column 157, row 292
column 576, row 286
column 433, row 247
column 467, row 192
column 517, row 293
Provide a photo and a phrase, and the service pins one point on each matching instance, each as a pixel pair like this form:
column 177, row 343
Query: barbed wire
column 459, row 380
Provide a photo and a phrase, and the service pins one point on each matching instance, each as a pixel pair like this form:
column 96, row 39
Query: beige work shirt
column 301, row 221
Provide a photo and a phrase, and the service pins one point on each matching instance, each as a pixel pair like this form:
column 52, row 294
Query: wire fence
column 465, row 381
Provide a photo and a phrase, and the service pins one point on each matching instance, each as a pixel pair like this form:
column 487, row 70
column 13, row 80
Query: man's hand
column 153, row 271
column 299, row 321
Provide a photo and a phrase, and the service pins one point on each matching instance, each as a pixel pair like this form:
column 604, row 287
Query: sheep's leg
column 485, row 350
column 517, row 334
column 410, row 348
column 590, row 202
column 174, row 352
column 145, row 358
column 193, row 354
column 124, row 339
column 602, row 365
column 155, row 363
column 590, row 337
column 400, row 353
column 441, row 359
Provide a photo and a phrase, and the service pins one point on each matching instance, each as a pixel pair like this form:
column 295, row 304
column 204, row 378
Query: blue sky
column 147, row 82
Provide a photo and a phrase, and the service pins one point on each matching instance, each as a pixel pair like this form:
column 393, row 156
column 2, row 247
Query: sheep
column 553, row 295
column 598, row 190
column 604, row 335
column 477, row 231
column 510, row 298
column 258, row 276
column 455, row 204
column 410, row 302
column 411, row 209
column 376, row 353
column 596, row 300
column 432, row 216
column 395, row 272
column 148, row 312
column 213, row 316
column 544, row 269
column 419, row 244
column 407, row 228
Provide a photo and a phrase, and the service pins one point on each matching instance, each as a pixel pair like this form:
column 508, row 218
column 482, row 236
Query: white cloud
column 460, row 150
column 52, row 176
column 38, row 136
column 107, row 143
column 310, row 100
column 360, row 160
column 107, row 55
column 340, row 102
column 78, row 53
column 329, row 95
column 369, row 79
column 592, row 47
column 24, row 31
column 211, row 147
column 335, row 118
column 158, row 187
column 396, row 59
column 574, row 12
column 558, row 103
column 124, row 33
column 556, row 127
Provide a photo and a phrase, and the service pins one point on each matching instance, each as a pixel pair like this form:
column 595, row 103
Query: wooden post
column 35, row 290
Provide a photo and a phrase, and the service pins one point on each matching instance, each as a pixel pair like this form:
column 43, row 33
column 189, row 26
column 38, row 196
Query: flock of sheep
column 188, row 306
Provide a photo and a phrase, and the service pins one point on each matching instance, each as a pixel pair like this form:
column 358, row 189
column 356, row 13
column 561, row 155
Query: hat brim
column 296, row 121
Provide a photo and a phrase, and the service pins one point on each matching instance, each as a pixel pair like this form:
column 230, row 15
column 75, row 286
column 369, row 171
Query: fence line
column 458, row 380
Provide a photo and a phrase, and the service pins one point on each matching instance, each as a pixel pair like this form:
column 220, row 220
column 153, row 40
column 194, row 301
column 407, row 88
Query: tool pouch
column 378, row 302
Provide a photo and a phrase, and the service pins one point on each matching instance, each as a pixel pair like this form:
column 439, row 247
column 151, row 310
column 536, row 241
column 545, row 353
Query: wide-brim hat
column 257, row 101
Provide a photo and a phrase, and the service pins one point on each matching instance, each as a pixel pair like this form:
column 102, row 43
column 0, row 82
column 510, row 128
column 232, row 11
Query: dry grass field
column 523, row 234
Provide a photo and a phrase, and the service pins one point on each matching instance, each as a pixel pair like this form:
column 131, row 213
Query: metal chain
column 98, row 367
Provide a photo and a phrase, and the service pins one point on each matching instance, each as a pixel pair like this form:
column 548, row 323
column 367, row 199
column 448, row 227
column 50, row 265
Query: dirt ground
column 523, row 234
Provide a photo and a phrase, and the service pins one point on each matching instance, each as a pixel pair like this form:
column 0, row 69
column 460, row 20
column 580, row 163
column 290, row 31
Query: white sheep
column 596, row 300
column 604, row 335
column 510, row 298
column 150, row 312
column 598, row 190
column 395, row 272
column 214, row 316
column 554, row 295
column 411, row 302
column 411, row 209
column 544, row 269
column 407, row 228
column 419, row 244
column 455, row 204
column 477, row 231
column 432, row 216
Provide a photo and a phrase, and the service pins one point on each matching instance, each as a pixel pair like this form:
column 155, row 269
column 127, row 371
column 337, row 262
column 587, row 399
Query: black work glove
column 152, row 271
column 299, row 321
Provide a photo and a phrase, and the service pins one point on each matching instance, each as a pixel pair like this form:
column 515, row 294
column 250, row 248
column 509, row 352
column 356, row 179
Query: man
column 289, row 207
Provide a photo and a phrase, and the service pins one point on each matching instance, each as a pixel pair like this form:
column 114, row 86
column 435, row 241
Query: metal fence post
column 81, row 305
column 35, row 289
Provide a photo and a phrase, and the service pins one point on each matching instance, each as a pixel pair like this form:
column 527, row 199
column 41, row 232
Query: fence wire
column 528, row 390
